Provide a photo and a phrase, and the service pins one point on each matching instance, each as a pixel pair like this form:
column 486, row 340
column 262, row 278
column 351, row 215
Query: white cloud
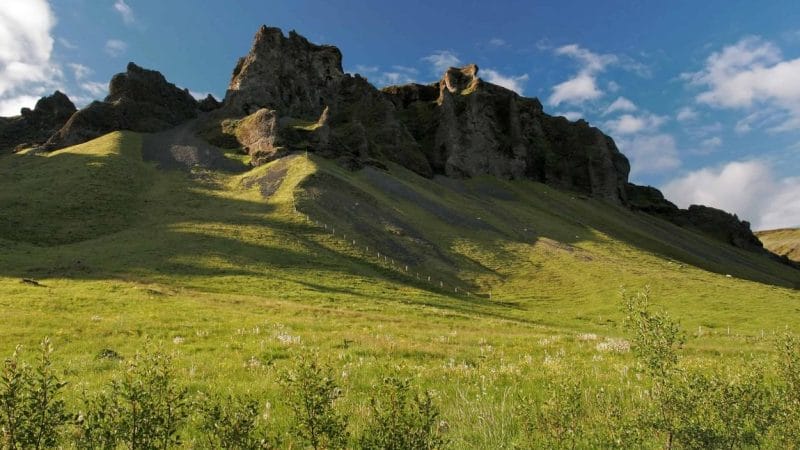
column 686, row 114
column 395, row 78
column 650, row 154
column 115, row 47
column 576, row 90
column 95, row 88
column 620, row 104
column 748, row 188
column 712, row 142
column 591, row 62
column 514, row 83
column 12, row 106
column 366, row 69
column 442, row 60
column 630, row 124
column 583, row 86
column 497, row 42
column 26, row 46
column 752, row 74
column 125, row 11
column 80, row 71
column 406, row 69
column 67, row 44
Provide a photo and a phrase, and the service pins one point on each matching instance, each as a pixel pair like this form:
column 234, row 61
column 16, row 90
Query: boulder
column 34, row 126
column 138, row 100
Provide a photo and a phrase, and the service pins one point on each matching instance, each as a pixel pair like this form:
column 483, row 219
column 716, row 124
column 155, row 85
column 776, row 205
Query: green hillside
column 785, row 241
column 237, row 272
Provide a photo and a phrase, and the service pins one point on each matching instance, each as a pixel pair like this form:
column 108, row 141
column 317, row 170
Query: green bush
column 788, row 396
column 558, row 421
column 32, row 413
column 233, row 423
column 144, row 407
column 401, row 418
column 312, row 394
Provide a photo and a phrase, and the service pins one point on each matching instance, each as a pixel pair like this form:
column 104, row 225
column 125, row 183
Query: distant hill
column 784, row 241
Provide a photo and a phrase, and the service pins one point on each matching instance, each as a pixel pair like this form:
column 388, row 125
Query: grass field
column 237, row 273
column 785, row 241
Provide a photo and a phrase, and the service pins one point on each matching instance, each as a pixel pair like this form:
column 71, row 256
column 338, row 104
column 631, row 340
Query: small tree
column 312, row 394
column 402, row 419
column 233, row 423
column 143, row 408
column 656, row 340
column 32, row 414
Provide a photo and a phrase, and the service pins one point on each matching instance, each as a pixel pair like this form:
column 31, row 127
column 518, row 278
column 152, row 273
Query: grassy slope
column 785, row 241
column 236, row 282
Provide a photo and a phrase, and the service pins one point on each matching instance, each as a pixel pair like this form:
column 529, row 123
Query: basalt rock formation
column 713, row 222
column 459, row 127
column 288, row 94
column 33, row 127
column 138, row 100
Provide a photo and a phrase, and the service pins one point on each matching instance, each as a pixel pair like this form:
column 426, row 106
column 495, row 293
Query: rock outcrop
column 33, row 127
column 460, row 126
column 208, row 104
column 138, row 100
column 289, row 75
column 476, row 128
column 288, row 94
column 713, row 222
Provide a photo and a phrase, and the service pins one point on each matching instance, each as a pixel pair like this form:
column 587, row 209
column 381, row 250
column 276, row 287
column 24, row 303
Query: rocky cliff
column 458, row 127
column 33, row 127
column 713, row 222
column 138, row 100
column 288, row 94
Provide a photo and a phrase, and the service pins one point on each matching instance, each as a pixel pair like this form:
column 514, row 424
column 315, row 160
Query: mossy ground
column 236, row 282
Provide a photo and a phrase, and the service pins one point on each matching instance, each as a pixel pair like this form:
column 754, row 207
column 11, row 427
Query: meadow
column 238, row 276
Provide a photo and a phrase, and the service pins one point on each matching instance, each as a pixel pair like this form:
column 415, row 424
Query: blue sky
column 703, row 97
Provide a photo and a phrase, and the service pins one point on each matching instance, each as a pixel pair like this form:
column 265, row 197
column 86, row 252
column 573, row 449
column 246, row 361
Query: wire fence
column 387, row 261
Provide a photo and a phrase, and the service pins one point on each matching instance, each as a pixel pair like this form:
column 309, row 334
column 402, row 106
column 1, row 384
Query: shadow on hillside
column 181, row 232
column 420, row 222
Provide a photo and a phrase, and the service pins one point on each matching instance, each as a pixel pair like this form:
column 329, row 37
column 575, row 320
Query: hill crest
column 288, row 94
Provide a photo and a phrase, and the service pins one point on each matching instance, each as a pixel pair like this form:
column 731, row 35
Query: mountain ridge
column 288, row 94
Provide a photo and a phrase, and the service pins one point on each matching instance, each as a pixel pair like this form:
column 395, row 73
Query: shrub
column 142, row 408
column 557, row 422
column 656, row 336
column 32, row 414
column 312, row 394
column 711, row 411
column 788, row 429
column 401, row 418
column 233, row 423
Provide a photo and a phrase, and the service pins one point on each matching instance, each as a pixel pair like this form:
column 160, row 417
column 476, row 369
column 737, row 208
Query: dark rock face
column 316, row 106
column 713, row 222
column 208, row 104
column 34, row 127
column 138, row 100
column 721, row 225
column 474, row 128
column 460, row 126
column 290, row 75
